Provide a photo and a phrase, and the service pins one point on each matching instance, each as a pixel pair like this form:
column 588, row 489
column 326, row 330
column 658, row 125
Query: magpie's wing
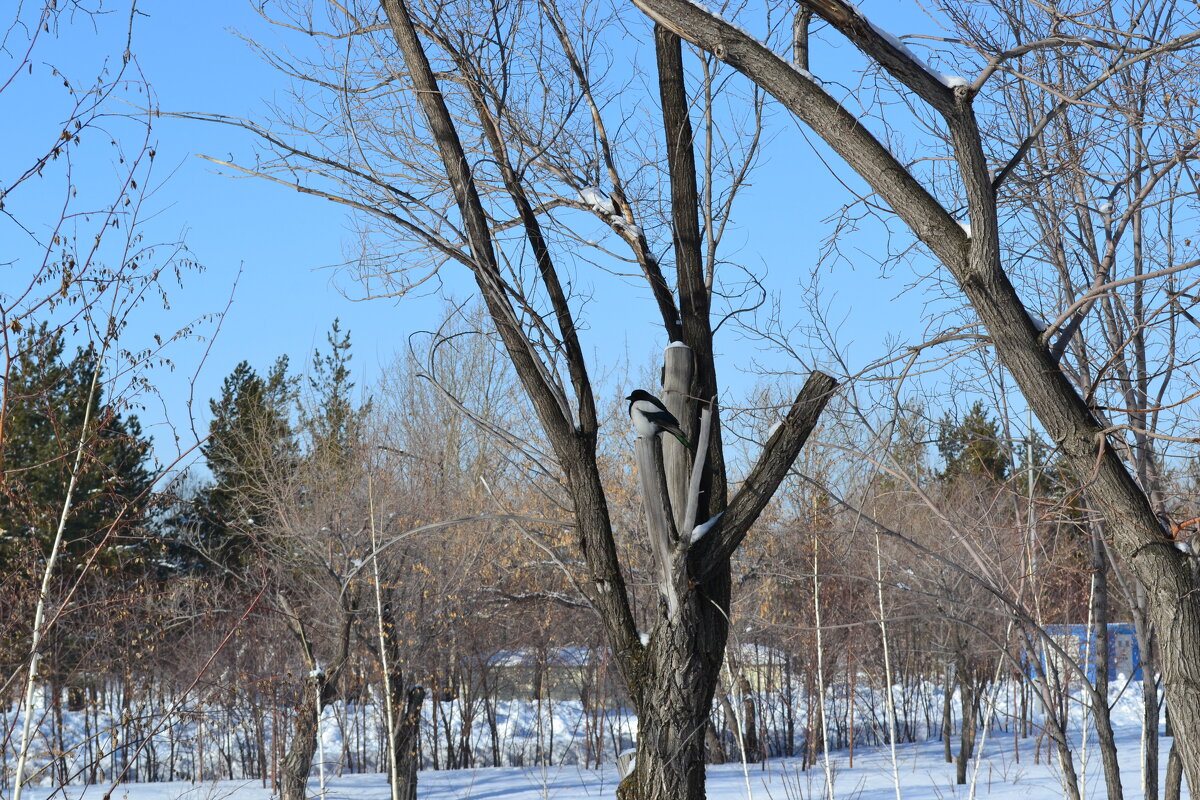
column 665, row 420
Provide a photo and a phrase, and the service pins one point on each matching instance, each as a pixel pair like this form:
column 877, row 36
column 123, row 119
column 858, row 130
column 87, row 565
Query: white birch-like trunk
column 887, row 666
column 39, row 613
column 739, row 725
column 991, row 715
column 383, row 658
column 821, row 675
column 320, row 747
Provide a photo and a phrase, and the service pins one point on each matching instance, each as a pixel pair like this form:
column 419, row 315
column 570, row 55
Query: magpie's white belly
column 641, row 423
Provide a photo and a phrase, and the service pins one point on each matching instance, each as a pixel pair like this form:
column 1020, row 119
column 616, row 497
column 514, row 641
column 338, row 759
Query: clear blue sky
column 285, row 246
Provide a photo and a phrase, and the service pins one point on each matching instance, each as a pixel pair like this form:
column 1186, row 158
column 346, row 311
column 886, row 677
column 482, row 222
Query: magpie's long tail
column 678, row 434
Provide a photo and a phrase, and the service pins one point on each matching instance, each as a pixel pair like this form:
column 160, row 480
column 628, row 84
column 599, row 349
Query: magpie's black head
column 639, row 394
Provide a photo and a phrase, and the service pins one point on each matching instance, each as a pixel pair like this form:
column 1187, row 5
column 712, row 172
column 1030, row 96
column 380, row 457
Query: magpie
column 650, row 417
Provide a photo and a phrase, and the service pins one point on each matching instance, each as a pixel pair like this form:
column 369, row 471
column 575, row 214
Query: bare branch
column 772, row 467
column 800, row 94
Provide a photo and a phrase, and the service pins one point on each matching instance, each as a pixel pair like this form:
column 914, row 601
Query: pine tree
column 46, row 399
column 250, row 451
column 334, row 427
column 973, row 446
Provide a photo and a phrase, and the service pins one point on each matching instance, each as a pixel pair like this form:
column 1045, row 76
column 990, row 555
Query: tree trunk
column 1150, row 710
column 319, row 690
column 947, row 715
column 1147, row 639
column 716, row 753
column 751, row 744
column 1174, row 775
column 684, row 658
column 297, row 762
column 970, row 709
column 1054, row 726
column 671, row 680
column 405, row 757
column 975, row 261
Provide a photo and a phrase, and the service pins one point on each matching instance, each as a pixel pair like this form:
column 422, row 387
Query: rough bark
column 687, row 647
column 407, row 745
column 971, row 693
column 405, row 713
column 298, row 760
column 716, row 753
column 683, row 658
column 319, row 690
column 1174, row 775
column 671, row 679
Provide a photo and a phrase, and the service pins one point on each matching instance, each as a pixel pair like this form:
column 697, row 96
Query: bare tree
column 437, row 453
column 1102, row 202
column 475, row 135
column 974, row 256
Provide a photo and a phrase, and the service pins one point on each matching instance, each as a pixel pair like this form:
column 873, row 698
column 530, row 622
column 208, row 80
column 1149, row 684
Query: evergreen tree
column 46, row 400
column 333, row 425
column 250, row 451
column 253, row 450
column 973, row 446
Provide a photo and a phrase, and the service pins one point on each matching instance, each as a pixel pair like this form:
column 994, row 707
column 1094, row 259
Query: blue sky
column 282, row 249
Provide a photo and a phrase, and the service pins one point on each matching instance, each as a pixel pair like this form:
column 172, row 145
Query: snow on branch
column 598, row 200
column 892, row 54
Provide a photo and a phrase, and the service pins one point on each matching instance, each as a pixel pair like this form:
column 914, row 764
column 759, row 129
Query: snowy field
column 1008, row 768
column 922, row 774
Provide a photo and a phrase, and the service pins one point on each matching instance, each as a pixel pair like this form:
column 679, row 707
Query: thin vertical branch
column 887, row 666
column 39, row 613
column 816, row 582
column 800, row 37
column 383, row 650
column 693, row 495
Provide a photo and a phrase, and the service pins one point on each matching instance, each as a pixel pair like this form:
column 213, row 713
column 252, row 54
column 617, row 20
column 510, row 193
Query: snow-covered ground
column 1001, row 773
column 1008, row 768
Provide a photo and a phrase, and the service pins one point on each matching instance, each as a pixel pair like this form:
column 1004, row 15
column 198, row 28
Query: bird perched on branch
column 650, row 417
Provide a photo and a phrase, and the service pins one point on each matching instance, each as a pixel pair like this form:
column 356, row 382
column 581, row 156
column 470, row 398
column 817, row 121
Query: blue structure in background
column 1124, row 658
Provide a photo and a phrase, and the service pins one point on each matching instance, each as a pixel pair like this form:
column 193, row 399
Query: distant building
column 1124, row 657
